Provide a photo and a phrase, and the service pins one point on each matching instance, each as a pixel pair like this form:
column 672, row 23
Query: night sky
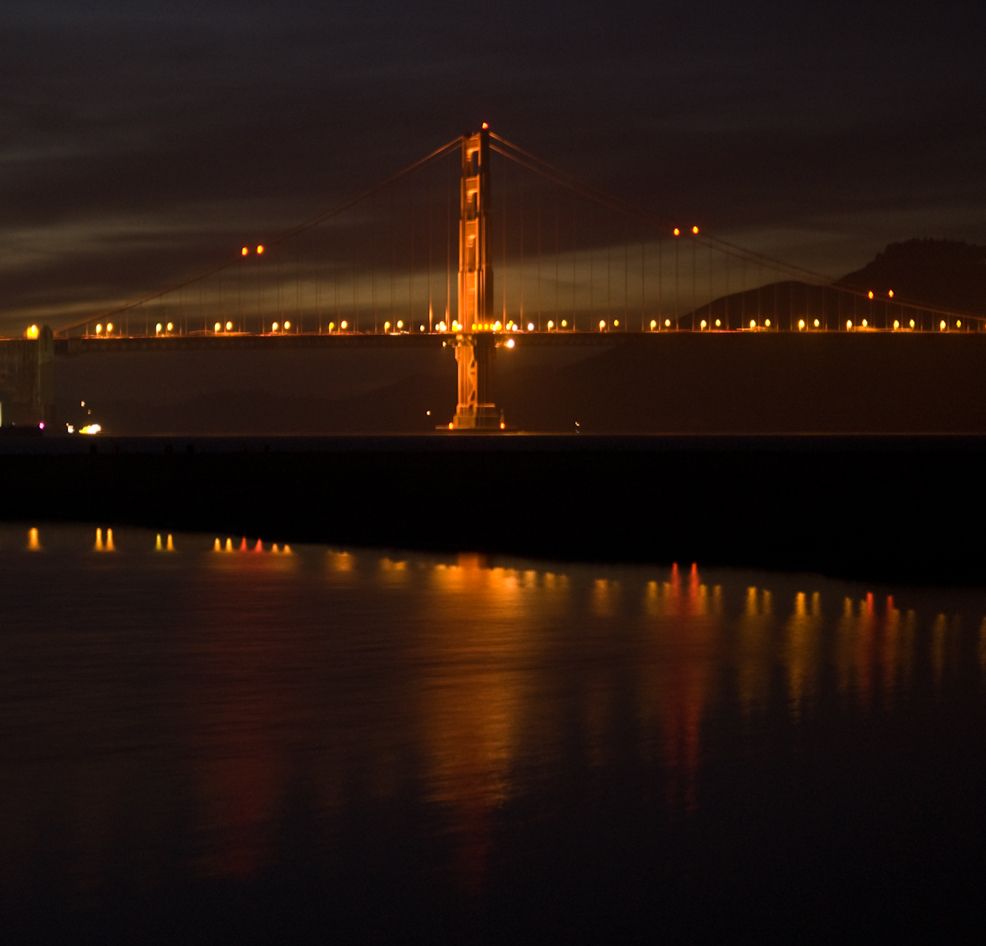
column 141, row 140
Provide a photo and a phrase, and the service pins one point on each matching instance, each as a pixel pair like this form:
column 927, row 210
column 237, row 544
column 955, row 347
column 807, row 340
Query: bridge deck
column 297, row 340
column 282, row 341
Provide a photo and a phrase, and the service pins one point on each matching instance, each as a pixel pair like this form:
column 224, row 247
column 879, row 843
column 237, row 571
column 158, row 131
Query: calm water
column 337, row 746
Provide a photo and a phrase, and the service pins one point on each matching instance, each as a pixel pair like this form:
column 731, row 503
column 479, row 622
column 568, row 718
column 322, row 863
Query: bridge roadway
column 280, row 341
column 241, row 341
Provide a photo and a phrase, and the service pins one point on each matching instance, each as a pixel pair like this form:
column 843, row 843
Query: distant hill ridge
column 941, row 275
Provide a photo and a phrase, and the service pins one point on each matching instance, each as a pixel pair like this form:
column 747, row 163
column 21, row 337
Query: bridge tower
column 475, row 345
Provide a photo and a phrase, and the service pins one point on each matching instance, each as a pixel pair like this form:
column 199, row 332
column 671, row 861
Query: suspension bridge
column 410, row 261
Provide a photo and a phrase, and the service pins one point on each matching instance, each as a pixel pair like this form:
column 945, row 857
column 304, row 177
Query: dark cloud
column 126, row 128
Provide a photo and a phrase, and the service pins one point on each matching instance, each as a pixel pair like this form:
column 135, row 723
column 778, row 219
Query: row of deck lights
column 398, row 327
column 816, row 324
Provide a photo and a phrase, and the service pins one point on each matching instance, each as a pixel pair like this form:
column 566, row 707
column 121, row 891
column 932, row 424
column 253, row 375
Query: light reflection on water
column 190, row 709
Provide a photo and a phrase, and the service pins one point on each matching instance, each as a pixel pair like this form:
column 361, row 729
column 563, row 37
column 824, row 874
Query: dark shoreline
column 888, row 508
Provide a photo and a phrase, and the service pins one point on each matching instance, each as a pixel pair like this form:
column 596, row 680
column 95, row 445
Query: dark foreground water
column 352, row 746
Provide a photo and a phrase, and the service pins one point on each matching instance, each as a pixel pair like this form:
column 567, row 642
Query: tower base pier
column 27, row 380
column 475, row 408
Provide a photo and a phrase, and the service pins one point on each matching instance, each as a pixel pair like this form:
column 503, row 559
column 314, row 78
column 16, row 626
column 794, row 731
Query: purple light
column 41, row 426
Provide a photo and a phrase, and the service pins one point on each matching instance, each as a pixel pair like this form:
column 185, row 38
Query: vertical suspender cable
column 410, row 264
column 538, row 307
column 520, row 203
column 626, row 275
column 431, row 314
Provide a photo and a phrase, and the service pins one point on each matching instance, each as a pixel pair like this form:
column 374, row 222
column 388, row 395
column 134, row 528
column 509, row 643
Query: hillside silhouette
column 928, row 278
column 942, row 273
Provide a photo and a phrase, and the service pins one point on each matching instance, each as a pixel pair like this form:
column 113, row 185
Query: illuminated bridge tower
column 474, row 343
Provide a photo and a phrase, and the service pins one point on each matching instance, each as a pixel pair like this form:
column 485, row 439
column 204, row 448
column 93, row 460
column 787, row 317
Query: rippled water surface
column 313, row 744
